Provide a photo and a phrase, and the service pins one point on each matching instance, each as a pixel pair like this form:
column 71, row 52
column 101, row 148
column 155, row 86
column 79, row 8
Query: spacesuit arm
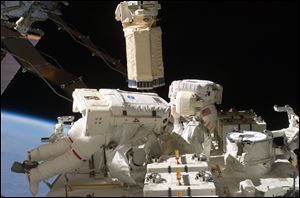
column 59, row 147
column 278, row 133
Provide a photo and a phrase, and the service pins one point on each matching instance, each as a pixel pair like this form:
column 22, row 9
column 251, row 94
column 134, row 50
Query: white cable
column 89, row 47
column 49, row 56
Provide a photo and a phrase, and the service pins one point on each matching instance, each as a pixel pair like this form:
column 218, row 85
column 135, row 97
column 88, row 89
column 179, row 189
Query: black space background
column 249, row 47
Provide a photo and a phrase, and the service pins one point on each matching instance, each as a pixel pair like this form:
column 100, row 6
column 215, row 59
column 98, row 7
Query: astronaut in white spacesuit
column 194, row 113
column 131, row 120
column 290, row 135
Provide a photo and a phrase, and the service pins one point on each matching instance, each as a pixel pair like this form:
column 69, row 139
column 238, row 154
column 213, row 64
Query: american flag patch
column 206, row 112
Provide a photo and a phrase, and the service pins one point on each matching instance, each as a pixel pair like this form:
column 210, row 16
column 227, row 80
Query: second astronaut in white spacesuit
column 290, row 135
column 194, row 113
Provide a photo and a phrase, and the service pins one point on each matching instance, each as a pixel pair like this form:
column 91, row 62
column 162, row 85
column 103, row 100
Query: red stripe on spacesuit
column 77, row 155
column 70, row 139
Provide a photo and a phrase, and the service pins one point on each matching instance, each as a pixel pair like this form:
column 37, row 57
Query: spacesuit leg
column 207, row 144
column 51, row 150
column 289, row 151
column 127, row 164
column 118, row 164
column 82, row 149
column 209, row 117
column 152, row 148
column 61, row 164
column 137, row 161
column 197, row 145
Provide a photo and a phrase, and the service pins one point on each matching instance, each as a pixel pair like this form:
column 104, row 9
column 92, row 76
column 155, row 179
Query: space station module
column 252, row 153
column 126, row 124
column 194, row 113
column 145, row 66
column 249, row 153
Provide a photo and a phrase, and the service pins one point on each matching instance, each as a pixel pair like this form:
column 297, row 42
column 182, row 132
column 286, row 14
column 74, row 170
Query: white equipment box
column 237, row 121
column 187, row 163
column 184, row 175
column 190, row 186
column 253, row 152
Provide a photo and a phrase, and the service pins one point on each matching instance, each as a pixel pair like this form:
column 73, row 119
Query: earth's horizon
column 19, row 134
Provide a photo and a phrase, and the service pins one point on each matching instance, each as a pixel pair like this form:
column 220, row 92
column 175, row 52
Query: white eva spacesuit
column 129, row 120
column 290, row 134
column 194, row 112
